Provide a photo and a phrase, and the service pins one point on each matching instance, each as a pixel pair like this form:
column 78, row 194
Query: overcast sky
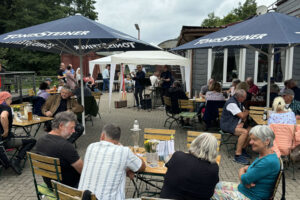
column 160, row 20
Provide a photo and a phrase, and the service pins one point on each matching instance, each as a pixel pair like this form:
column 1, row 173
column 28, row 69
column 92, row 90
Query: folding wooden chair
column 280, row 176
column 191, row 135
column 159, row 134
column 46, row 167
column 187, row 110
column 97, row 96
column 65, row 192
column 171, row 117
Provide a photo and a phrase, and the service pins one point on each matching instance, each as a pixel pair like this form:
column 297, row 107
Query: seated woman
column 257, row 180
column 280, row 114
column 193, row 175
column 43, row 90
column 214, row 93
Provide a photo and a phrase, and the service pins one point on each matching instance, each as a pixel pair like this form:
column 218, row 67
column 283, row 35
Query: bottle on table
column 265, row 117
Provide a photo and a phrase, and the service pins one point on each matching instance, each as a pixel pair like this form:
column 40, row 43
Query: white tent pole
column 269, row 73
column 111, row 84
column 81, row 86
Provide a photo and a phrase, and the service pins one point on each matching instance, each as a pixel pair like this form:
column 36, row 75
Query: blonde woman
column 193, row 175
column 280, row 114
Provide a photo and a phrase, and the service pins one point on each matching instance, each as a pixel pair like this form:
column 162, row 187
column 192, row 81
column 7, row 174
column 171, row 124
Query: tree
column 243, row 12
column 17, row 14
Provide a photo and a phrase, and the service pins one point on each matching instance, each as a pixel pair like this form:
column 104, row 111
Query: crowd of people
column 190, row 175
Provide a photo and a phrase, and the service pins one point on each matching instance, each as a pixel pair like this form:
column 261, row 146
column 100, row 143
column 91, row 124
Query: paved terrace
column 13, row 187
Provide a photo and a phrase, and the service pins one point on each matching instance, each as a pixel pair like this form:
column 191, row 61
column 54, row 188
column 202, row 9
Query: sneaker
column 15, row 165
column 245, row 154
column 241, row 159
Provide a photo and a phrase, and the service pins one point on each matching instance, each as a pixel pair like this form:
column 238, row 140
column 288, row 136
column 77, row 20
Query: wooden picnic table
column 25, row 124
column 259, row 120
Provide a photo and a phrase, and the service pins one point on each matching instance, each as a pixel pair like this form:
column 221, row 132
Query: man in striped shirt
column 294, row 105
column 106, row 164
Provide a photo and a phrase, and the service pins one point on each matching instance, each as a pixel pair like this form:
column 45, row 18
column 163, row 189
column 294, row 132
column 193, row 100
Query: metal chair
column 280, row 176
column 97, row 96
column 187, row 110
column 171, row 117
column 191, row 135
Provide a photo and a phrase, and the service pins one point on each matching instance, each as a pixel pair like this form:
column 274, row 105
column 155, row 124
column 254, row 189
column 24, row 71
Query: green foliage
column 17, row 14
column 243, row 12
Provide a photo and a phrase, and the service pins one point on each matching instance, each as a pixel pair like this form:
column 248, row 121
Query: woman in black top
column 193, row 175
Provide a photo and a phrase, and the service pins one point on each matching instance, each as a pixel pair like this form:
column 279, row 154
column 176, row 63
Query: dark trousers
column 24, row 144
column 138, row 92
column 163, row 93
column 78, row 131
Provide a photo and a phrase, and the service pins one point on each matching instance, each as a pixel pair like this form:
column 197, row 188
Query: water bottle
column 136, row 124
column 265, row 114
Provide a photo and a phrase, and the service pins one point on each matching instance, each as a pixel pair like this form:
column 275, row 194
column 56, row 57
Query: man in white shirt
column 106, row 164
column 105, row 76
column 232, row 121
column 154, row 80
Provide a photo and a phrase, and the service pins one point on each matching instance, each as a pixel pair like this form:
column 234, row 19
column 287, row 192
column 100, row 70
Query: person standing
column 139, row 85
column 105, row 76
column 167, row 80
column 71, row 81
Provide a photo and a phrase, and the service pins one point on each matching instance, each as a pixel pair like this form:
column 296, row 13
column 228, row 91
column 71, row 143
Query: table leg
column 27, row 131
column 37, row 130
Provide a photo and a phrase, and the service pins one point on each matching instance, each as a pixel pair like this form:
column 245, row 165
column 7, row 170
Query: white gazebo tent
column 133, row 58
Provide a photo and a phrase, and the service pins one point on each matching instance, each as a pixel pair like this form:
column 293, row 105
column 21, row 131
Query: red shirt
column 253, row 89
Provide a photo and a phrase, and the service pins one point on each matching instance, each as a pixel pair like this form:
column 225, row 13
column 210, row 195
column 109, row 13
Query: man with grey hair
column 291, row 102
column 106, row 164
column 233, row 121
column 253, row 89
column 60, row 103
column 55, row 144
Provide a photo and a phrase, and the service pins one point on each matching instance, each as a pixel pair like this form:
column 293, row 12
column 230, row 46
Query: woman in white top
column 214, row 93
column 280, row 114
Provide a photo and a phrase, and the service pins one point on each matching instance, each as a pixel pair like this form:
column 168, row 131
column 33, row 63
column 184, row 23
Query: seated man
column 294, row 105
column 55, row 144
column 63, row 102
column 253, row 89
column 175, row 93
column 204, row 88
column 293, row 86
column 232, row 121
column 106, row 164
column 8, row 139
column 86, row 91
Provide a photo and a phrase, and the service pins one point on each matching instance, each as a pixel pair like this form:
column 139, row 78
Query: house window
column 217, row 65
column 233, row 60
column 277, row 66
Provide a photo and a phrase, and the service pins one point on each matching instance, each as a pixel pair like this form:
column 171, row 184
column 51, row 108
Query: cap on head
column 287, row 92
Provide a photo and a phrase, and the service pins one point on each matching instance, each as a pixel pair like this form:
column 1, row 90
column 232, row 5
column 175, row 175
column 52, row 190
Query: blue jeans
column 105, row 84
